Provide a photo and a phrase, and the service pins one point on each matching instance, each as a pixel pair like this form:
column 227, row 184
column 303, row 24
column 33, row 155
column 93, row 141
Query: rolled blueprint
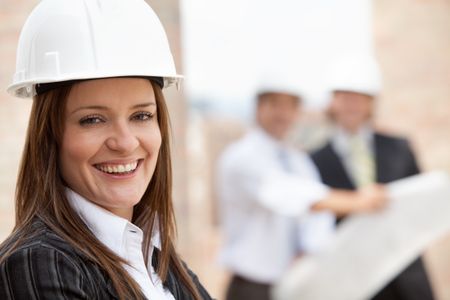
column 369, row 250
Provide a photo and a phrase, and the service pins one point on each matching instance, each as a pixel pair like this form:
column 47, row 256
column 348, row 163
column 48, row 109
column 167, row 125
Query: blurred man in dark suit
column 357, row 155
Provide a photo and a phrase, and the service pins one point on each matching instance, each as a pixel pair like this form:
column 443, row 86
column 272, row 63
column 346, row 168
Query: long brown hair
column 40, row 192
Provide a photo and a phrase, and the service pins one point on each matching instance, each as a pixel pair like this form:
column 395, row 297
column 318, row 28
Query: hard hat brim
column 27, row 89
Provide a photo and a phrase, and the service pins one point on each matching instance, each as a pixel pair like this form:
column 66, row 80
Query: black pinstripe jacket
column 47, row 267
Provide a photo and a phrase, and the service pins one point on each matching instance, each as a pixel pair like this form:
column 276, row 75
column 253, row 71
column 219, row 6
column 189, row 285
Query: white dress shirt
column 124, row 239
column 265, row 202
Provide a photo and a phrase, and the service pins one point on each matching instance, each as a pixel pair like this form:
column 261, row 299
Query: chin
column 122, row 199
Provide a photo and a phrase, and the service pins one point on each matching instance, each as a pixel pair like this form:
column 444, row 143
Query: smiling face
column 351, row 110
column 110, row 142
column 277, row 113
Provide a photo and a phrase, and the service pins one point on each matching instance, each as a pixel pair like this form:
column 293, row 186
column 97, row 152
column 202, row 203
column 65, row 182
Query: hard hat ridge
column 356, row 73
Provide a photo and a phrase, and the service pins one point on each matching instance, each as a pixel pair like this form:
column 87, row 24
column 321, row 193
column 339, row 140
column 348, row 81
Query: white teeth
column 118, row 168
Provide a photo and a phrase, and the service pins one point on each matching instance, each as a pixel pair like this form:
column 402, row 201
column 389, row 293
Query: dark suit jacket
column 47, row 267
column 394, row 160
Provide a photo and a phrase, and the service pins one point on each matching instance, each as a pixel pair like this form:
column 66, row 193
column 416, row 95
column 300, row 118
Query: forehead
column 348, row 95
column 110, row 92
column 279, row 99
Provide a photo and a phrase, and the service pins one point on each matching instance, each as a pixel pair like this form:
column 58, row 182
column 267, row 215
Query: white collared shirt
column 125, row 240
column 265, row 208
column 341, row 143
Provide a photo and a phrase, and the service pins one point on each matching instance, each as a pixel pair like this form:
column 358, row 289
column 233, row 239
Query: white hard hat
column 278, row 82
column 66, row 40
column 356, row 73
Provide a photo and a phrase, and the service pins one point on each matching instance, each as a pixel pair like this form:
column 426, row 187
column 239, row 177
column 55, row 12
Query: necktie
column 362, row 162
column 283, row 157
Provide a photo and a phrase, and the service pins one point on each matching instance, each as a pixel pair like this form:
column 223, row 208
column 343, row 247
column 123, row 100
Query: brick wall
column 13, row 112
column 413, row 45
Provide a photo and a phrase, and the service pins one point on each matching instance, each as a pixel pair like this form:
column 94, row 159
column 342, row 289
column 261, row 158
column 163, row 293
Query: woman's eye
column 142, row 116
column 91, row 120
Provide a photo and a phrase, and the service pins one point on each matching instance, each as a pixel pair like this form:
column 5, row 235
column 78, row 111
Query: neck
column 352, row 129
column 277, row 137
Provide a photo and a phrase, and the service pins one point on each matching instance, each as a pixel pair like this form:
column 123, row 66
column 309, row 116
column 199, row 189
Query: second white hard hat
column 355, row 73
column 66, row 40
column 278, row 82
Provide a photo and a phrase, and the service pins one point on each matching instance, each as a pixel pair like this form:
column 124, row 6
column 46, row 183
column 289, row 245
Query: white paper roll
column 369, row 250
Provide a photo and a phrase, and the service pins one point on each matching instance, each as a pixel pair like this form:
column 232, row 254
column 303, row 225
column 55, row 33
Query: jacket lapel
column 341, row 179
column 381, row 159
column 171, row 282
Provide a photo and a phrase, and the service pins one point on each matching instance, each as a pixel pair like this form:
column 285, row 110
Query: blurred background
column 224, row 48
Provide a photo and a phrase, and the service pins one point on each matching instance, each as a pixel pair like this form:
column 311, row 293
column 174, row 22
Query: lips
column 118, row 168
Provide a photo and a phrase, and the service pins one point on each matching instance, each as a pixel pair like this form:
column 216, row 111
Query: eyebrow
column 140, row 105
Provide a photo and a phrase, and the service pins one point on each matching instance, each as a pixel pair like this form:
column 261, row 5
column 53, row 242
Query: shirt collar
column 340, row 140
column 109, row 228
column 262, row 136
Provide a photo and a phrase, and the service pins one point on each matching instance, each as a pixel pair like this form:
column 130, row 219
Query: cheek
column 359, row 109
column 336, row 107
column 69, row 157
column 368, row 109
column 76, row 150
column 152, row 142
column 157, row 140
column 348, row 109
column 293, row 113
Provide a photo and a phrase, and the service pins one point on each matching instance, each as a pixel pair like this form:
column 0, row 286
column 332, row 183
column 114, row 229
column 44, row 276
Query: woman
column 94, row 215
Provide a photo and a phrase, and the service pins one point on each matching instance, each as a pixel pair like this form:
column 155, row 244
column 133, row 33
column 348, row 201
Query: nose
column 122, row 139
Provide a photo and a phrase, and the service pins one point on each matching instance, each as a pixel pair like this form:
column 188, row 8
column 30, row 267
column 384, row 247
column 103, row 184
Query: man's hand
column 371, row 198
